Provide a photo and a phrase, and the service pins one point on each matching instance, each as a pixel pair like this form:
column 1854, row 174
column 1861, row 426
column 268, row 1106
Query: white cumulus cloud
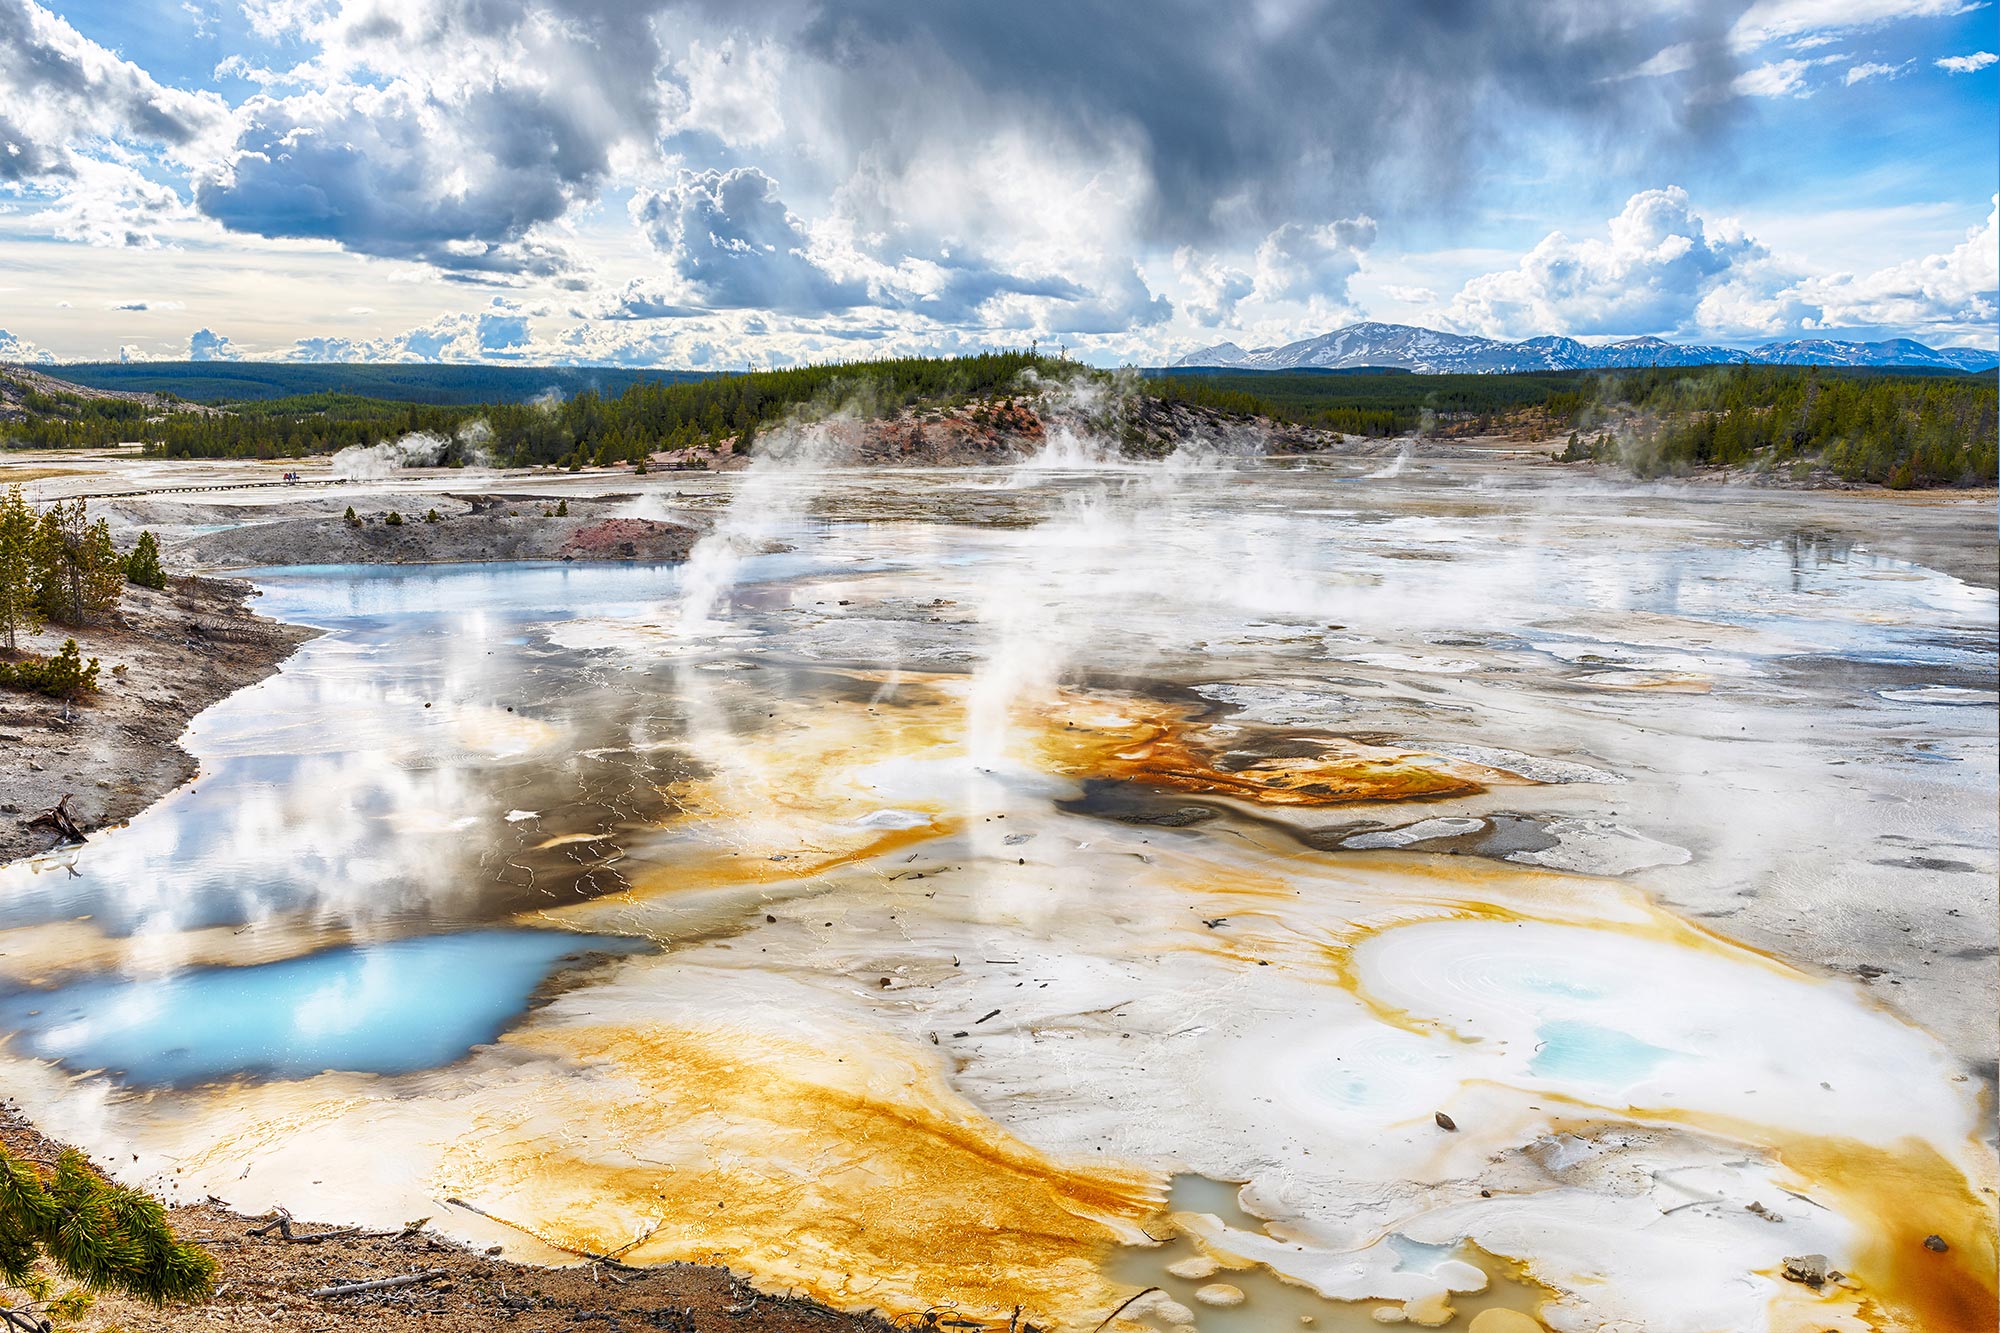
column 1957, row 292
column 1658, row 261
column 1967, row 64
column 16, row 350
column 1300, row 262
column 208, row 345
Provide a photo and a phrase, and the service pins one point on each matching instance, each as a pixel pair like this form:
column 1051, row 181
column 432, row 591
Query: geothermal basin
column 1212, row 894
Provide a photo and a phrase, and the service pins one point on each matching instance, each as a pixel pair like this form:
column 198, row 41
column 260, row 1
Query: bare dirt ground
column 268, row 1283
column 163, row 658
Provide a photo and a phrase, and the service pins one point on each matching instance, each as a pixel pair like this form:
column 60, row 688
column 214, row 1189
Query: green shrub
column 353, row 519
column 60, row 677
column 394, row 520
column 431, row 517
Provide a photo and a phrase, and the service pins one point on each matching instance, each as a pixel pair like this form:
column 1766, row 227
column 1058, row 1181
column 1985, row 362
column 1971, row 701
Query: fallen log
column 378, row 1284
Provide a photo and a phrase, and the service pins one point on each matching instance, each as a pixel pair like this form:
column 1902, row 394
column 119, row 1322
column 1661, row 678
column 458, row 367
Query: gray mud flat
column 510, row 531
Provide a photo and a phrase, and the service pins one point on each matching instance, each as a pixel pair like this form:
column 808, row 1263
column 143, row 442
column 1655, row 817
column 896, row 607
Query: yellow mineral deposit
column 1156, row 745
column 709, row 1146
column 1900, row 1197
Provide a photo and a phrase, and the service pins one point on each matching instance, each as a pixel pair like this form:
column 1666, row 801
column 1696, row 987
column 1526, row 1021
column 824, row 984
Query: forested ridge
column 1898, row 429
column 1901, row 430
column 418, row 382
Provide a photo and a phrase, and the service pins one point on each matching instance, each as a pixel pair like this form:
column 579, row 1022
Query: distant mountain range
column 1427, row 351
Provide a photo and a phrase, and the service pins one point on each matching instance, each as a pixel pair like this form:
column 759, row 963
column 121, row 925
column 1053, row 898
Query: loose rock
column 1807, row 1268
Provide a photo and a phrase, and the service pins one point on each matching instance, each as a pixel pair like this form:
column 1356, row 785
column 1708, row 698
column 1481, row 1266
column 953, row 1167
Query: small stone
column 1445, row 1122
column 1220, row 1293
column 1194, row 1268
column 1935, row 1244
column 1504, row 1321
column 1807, row 1268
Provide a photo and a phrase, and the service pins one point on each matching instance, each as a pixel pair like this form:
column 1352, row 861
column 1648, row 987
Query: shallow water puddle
column 1201, row 1284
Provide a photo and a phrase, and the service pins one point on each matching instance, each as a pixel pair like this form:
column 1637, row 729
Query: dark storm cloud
column 732, row 244
column 460, row 133
column 1272, row 112
column 484, row 119
column 1243, row 116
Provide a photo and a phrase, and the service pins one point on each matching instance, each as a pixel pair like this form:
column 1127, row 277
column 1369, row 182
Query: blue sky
column 704, row 183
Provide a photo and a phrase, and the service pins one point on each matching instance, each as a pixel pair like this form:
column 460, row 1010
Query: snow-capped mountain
column 1430, row 352
column 1895, row 352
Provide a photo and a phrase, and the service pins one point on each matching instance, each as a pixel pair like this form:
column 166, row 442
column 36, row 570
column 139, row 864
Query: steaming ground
column 1010, row 851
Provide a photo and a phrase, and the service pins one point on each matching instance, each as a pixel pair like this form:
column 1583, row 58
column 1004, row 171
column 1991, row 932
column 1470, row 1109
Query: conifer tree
column 78, row 571
column 143, row 565
column 19, row 608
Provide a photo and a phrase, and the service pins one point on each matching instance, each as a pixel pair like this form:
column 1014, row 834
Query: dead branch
column 281, row 1222
column 1121, row 1309
column 57, row 817
column 607, row 1260
column 379, row 1284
